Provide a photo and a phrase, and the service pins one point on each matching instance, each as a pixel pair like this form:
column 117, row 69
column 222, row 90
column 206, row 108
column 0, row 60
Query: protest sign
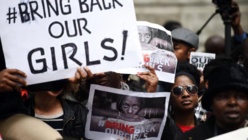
column 200, row 59
column 121, row 114
column 240, row 134
column 157, row 50
column 49, row 39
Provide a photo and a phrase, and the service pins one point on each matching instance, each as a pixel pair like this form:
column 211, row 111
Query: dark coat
column 11, row 103
column 74, row 119
column 201, row 132
column 171, row 130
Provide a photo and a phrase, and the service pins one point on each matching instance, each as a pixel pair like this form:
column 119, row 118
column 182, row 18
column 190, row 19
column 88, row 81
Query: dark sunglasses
column 191, row 89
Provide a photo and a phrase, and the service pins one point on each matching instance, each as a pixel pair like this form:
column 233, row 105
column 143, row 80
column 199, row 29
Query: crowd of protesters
column 199, row 109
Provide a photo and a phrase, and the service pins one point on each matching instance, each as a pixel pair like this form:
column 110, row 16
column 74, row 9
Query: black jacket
column 75, row 115
column 11, row 103
column 201, row 132
column 171, row 130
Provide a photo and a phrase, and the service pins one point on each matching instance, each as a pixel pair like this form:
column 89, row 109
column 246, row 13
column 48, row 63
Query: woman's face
column 230, row 108
column 185, row 101
column 130, row 105
column 144, row 34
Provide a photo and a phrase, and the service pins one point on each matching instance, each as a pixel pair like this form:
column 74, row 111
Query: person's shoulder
column 73, row 104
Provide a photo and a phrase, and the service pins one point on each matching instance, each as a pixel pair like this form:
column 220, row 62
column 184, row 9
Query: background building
column 191, row 13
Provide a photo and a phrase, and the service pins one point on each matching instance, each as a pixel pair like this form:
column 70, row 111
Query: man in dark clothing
column 227, row 98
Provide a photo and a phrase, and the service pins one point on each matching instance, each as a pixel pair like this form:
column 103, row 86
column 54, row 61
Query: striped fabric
column 55, row 121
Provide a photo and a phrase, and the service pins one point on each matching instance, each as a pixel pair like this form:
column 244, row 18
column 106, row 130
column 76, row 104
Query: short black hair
column 171, row 25
column 190, row 69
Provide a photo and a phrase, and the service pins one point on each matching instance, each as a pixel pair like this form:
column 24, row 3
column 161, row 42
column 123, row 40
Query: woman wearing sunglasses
column 183, row 101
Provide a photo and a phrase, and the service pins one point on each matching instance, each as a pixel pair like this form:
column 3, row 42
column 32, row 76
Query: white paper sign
column 49, row 39
column 200, row 59
column 240, row 134
column 120, row 114
column 157, row 50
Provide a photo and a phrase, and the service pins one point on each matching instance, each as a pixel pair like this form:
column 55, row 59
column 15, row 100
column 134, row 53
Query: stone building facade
column 191, row 13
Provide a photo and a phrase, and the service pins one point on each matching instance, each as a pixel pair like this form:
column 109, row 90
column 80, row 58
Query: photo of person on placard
column 118, row 111
column 153, row 38
column 124, row 107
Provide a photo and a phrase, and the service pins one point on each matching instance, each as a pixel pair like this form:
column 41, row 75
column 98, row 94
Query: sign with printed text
column 200, row 59
column 121, row 114
column 49, row 39
column 157, row 50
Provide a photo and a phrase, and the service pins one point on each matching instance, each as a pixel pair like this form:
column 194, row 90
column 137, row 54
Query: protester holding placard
column 183, row 101
column 14, row 123
column 47, row 103
column 227, row 99
column 116, row 80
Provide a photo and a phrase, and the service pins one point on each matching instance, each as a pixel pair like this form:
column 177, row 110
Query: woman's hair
column 184, row 68
column 189, row 70
column 152, row 32
column 122, row 97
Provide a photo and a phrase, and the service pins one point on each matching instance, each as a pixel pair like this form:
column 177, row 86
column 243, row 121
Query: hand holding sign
column 11, row 79
column 150, row 77
column 81, row 75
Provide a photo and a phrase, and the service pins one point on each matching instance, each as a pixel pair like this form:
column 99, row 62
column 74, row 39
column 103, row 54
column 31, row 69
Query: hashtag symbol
column 11, row 15
column 101, row 123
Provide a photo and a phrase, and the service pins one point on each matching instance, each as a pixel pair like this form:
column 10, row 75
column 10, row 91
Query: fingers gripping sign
column 81, row 74
column 150, row 77
column 11, row 79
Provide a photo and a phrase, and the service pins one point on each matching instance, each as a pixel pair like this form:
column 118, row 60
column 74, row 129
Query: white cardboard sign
column 49, row 39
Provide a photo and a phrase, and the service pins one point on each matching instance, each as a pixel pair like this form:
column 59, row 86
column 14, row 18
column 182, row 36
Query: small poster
column 121, row 114
column 200, row 59
column 157, row 50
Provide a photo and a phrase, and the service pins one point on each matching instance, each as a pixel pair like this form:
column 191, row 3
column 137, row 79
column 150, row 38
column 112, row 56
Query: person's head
column 185, row 41
column 215, row 44
column 145, row 34
column 227, row 96
column 53, row 89
column 171, row 25
column 130, row 104
column 220, row 60
column 184, row 92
